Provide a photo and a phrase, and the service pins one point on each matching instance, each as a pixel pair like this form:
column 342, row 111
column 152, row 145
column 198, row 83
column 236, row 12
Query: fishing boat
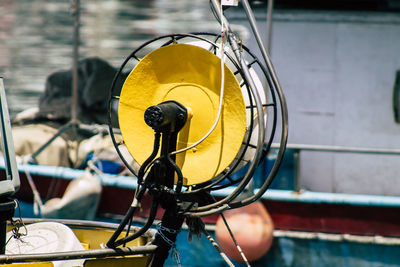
column 298, row 215
column 72, row 243
column 56, row 243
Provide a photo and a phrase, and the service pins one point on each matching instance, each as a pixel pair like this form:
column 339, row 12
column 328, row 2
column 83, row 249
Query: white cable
column 221, row 95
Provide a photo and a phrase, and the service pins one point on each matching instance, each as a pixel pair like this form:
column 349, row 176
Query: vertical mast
column 75, row 8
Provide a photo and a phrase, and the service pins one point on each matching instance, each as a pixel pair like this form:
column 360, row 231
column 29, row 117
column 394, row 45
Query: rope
column 234, row 241
column 17, row 225
column 37, row 201
column 197, row 226
column 216, row 246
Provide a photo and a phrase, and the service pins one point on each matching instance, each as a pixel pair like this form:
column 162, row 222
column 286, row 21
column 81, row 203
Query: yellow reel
column 191, row 76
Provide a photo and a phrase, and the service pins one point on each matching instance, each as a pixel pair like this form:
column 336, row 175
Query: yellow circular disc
column 191, row 76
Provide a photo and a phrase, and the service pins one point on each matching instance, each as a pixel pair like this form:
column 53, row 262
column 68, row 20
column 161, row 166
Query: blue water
column 36, row 36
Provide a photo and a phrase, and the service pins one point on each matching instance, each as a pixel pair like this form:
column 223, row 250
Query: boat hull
column 289, row 210
column 91, row 237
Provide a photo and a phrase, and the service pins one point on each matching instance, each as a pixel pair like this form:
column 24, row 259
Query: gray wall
column 337, row 70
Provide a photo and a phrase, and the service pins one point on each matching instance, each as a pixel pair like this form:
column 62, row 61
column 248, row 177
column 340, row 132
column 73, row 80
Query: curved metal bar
column 113, row 84
column 261, row 130
column 284, row 132
column 233, row 168
column 274, row 119
column 272, row 174
column 283, row 141
column 281, row 152
column 132, row 55
column 340, row 149
column 80, row 254
column 261, row 149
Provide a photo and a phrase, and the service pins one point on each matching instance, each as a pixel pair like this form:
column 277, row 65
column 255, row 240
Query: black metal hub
column 167, row 116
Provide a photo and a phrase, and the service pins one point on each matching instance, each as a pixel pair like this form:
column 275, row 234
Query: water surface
column 36, row 36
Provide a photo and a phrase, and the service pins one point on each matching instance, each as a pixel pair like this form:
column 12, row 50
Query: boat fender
column 252, row 228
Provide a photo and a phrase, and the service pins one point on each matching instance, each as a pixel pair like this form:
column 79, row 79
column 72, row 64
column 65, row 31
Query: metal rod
column 80, row 254
column 218, row 248
column 297, row 182
column 340, row 149
column 270, row 9
column 73, row 123
column 253, row 25
column 75, row 8
column 336, row 149
column 239, row 249
column 331, row 237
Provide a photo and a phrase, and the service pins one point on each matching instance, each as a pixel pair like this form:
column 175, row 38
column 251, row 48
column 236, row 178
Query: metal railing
column 297, row 148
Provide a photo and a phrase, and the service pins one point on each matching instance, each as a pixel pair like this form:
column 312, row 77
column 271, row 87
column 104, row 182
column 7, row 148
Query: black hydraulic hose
column 178, row 171
column 142, row 230
column 129, row 214
column 150, row 158
column 127, row 218
column 168, row 229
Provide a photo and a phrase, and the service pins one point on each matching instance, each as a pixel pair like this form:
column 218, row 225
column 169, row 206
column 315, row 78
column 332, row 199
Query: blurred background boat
column 337, row 192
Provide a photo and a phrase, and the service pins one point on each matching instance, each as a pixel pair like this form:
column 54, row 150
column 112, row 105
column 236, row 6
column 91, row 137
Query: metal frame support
column 11, row 184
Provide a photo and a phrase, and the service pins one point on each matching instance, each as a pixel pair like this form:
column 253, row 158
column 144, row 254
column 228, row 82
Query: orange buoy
column 252, row 228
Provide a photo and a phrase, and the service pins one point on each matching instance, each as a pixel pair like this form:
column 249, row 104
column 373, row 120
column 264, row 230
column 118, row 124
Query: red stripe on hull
column 310, row 217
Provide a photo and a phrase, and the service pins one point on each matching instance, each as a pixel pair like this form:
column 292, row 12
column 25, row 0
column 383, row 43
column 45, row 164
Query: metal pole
column 80, row 254
column 340, row 149
column 270, row 9
column 296, row 158
column 75, row 9
column 264, row 52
